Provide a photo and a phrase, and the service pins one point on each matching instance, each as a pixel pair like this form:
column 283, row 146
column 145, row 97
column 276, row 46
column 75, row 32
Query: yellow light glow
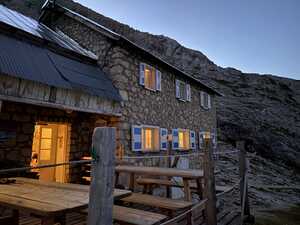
column 207, row 135
column 181, row 139
column 148, row 138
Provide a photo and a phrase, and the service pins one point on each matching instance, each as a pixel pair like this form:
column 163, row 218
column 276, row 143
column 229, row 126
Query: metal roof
column 33, row 27
column 31, row 62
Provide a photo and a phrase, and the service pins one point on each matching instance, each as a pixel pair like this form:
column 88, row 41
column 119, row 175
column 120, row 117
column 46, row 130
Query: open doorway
column 51, row 146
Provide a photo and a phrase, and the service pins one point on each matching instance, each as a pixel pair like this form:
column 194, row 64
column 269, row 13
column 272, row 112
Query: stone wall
column 17, row 123
column 140, row 106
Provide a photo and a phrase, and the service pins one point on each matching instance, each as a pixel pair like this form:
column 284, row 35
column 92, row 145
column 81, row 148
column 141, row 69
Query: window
column 146, row 138
column 205, row 100
column 183, row 91
column 183, row 139
column 150, row 77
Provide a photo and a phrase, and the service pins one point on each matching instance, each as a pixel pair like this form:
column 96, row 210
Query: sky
column 261, row 36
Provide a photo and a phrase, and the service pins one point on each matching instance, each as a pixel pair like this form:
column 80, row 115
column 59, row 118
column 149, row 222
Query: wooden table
column 48, row 200
column 186, row 174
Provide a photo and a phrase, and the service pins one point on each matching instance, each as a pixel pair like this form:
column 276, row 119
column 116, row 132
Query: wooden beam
column 209, row 183
column 101, row 189
column 55, row 105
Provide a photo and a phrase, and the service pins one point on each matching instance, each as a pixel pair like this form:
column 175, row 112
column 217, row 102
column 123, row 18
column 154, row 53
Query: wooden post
column 245, row 211
column 209, row 183
column 1, row 105
column 101, row 189
column 169, row 162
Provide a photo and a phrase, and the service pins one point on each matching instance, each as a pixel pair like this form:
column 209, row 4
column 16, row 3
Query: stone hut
column 65, row 75
column 158, row 98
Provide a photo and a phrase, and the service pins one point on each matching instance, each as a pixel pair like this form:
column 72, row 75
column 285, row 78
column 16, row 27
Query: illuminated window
column 184, row 139
column 150, row 77
column 150, row 138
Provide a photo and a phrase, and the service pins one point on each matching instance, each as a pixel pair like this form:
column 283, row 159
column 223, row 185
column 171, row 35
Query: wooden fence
column 101, row 189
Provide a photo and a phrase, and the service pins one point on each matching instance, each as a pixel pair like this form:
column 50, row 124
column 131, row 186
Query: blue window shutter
column 192, row 139
column 201, row 140
column 177, row 83
column 136, row 138
column 188, row 93
column 142, row 74
column 163, row 139
column 175, row 140
column 158, row 80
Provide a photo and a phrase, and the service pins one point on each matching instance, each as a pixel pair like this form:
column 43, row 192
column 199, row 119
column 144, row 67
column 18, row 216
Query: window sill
column 182, row 150
column 150, row 151
column 182, row 100
column 150, row 89
column 207, row 109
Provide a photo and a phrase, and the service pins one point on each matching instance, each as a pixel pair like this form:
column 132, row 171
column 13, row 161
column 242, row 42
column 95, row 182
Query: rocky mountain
column 262, row 109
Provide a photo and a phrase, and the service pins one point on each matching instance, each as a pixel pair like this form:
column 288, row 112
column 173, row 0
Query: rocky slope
column 262, row 109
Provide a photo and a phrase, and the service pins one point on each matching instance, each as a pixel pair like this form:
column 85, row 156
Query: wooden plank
column 118, row 193
column 165, row 182
column 101, row 189
column 159, row 202
column 187, row 190
column 27, row 205
column 136, row 216
column 37, row 197
column 160, row 171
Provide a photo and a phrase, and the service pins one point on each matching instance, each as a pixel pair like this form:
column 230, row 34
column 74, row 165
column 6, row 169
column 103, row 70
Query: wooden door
column 47, row 153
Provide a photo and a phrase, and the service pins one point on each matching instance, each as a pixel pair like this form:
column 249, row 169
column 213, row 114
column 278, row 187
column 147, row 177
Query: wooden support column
column 169, row 162
column 101, row 189
column 209, row 182
column 243, row 167
column 1, row 103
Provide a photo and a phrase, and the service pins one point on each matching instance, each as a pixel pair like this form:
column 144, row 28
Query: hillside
column 263, row 109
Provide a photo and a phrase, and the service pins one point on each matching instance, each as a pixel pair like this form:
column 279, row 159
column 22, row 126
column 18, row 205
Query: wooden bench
column 149, row 182
column 132, row 216
column 168, row 204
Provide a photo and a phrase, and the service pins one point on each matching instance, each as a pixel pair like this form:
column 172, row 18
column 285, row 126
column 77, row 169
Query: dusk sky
column 261, row 36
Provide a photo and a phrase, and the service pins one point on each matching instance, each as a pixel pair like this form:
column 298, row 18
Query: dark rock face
column 262, row 109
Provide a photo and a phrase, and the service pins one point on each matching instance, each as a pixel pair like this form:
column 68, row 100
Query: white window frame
column 205, row 105
column 182, row 98
column 187, row 87
column 157, row 77
column 186, row 133
column 157, row 147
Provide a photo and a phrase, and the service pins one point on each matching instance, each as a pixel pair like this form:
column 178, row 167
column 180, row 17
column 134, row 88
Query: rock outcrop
column 262, row 109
